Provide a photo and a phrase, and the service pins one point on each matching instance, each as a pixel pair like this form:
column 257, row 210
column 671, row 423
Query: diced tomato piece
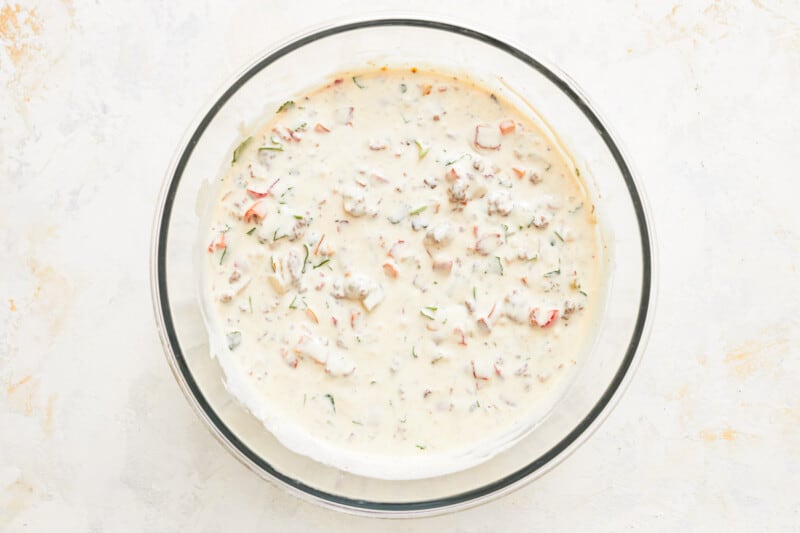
column 545, row 320
column 256, row 212
column 507, row 126
column 254, row 193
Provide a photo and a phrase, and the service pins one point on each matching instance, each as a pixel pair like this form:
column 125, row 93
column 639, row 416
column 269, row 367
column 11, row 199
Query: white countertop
column 95, row 434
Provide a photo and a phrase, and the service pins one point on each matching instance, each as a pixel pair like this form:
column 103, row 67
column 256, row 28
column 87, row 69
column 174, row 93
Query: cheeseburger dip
column 399, row 273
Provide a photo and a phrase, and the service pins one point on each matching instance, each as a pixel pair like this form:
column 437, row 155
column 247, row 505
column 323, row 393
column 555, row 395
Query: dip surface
column 400, row 273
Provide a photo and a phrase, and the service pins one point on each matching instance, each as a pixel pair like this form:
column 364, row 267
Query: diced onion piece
column 313, row 346
column 339, row 365
column 487, row 137
column 372, row 299
column 481, row 369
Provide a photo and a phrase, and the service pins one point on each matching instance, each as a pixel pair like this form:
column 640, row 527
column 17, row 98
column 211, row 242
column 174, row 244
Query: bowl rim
column 533, row 470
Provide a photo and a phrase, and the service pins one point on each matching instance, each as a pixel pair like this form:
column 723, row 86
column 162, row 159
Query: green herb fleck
column 239, row 149
column 474, row 406
column 559, row 236
column 577, row 172
column 474, row 294
column 357, row 423
column 277, row 148
column 322, row 263
column 251, row 231
column 500, row 264
column 276, row 237
column 553, row 273
column 414, row 352
column 422, row 150
column 250, row 301
column 292, row 304
column 333, row 402
column 287, row 105
column 372, row 382
column 426, row 314
column 457, row 159
column 403, row 88
column 298, row 217
column 355, row 80
column 305, row 260
column 301, row 127
column 221, row 257
column 577, row 208
column 418, row 210
column 234, row 339
column 420, row 446
column 432, row 308
column 584, row 293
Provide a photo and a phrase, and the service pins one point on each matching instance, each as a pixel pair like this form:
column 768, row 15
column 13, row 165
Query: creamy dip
column 399, row 273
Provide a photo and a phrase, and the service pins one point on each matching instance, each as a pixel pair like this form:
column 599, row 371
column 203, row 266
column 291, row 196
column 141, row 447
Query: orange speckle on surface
column 753, row 355
column 11, row 305
column 742, row 353
column 48, row 414
column 679, row 394
column 414, row 70
column 18, row 27
column 711, row 435
column 14, row 386
column 70, row 7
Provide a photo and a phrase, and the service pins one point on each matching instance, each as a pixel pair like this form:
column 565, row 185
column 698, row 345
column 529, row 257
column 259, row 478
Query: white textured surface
column 94, row 433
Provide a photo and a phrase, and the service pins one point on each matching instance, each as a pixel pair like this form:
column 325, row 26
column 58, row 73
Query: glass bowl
column 288, row 69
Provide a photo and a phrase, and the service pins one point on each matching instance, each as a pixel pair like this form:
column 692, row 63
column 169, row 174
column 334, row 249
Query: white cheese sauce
column 400, row 272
